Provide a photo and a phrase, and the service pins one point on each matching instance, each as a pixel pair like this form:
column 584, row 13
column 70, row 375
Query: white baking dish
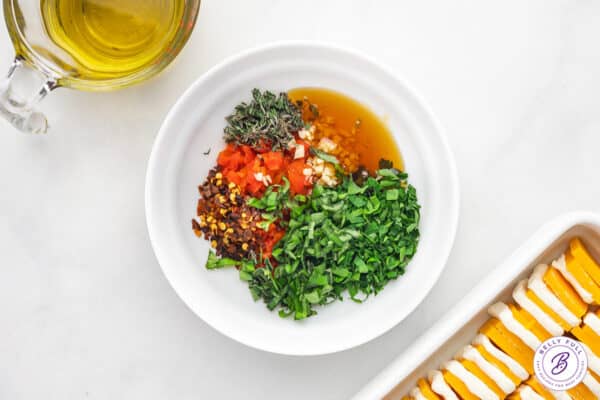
column 442, row 341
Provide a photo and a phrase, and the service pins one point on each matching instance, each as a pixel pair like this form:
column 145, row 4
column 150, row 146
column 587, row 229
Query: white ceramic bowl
column 177, row 166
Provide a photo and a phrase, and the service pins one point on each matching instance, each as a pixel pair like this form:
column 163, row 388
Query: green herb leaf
column 275, row 201
column 324, row 156
column 348, row 238
column 392, row 194
column 361, row 266
column 268, row 119
column 214, row 262
column 313, row 297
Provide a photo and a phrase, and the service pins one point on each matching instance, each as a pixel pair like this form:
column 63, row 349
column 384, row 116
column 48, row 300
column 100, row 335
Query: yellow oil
column 110, row 39
column 374, row 140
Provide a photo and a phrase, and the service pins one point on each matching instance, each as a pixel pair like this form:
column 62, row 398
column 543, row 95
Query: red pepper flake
column 225, row 220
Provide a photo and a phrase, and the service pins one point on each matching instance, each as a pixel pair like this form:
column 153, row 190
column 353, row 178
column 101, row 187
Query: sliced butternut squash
column 581, row 392
column 458, row 386
column 498, row 364
column 583, row 256
column 508, row 343
column 426, row 390
column 575, row 268
column 529, row 322
column 565, row 292
column 534, row 298
column 539, row 388
column 475, row 370
column 586, row 335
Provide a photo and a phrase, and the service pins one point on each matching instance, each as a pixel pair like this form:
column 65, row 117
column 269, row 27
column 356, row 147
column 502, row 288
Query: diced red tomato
column 273, row 160
column 230, row 158
column 295, row 174
column 235, row 157
column 234, row 176
column 277, row 178
column 249, row 154
column 241, row 164
column 272, row 236
column 253, row 186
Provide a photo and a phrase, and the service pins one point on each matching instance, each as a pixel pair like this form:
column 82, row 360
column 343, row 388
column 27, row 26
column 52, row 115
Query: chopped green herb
column 275, row 201
column 324, row 156
column 214, row 262
column 346, row 238
column 268, row 117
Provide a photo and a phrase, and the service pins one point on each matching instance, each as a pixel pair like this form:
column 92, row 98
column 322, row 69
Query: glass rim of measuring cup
column 32, row 76
column 37, row 62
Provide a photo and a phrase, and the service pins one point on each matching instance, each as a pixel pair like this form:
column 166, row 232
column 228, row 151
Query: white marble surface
column 85, row 312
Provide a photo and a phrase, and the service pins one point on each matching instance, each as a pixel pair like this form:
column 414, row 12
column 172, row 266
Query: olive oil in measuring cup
column 111, row 38
column 88, row 45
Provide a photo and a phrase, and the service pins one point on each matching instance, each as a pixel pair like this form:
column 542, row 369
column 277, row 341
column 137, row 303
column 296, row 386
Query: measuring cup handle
column 20, row 92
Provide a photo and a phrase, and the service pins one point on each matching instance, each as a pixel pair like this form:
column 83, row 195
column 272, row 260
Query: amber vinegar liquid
column 108, row 39
column 374, row 139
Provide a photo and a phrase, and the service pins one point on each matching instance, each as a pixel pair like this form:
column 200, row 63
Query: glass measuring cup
column 94, row 45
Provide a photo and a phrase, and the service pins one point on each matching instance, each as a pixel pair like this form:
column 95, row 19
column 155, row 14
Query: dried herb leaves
column 268, row 120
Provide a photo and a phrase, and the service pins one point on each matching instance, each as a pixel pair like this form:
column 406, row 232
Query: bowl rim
column 444, row 248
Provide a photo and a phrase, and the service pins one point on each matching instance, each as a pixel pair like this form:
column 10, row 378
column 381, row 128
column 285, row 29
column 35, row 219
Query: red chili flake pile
column 225, row 220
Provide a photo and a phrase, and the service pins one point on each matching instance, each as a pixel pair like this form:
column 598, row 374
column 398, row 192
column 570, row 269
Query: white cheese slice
column 593, row 322
column 593, row 359
column 561, row 265
column 520, row 296
column 470, row 353
column 504, row 358
column 505, row 315
column 527, row 393
column 537, row 286
column 417, row 394
column 591, row 383
column 439, row 385
column 473, row 384
column 559, row 395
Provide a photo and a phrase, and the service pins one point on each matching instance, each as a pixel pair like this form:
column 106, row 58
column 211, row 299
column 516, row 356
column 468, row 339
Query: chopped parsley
column 348, row 238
